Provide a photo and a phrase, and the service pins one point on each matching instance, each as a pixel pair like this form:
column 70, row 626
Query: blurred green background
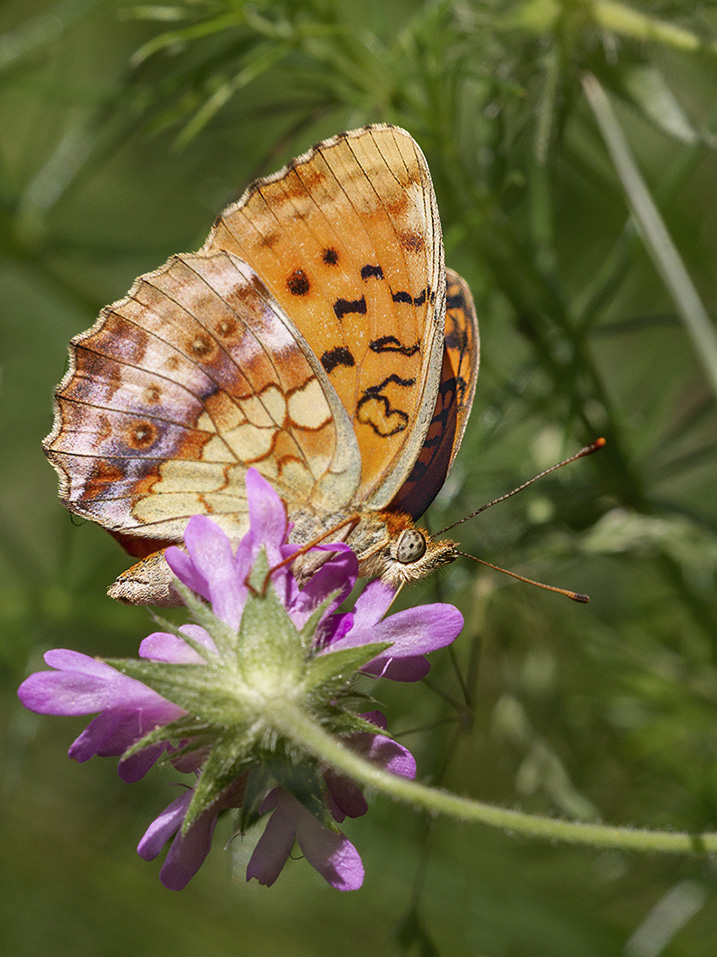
column 123, row 132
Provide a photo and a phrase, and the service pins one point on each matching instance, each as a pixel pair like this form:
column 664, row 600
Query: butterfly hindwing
column 453, row 403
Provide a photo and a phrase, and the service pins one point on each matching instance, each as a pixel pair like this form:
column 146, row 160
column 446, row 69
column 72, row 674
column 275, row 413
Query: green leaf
column 645, row 85
column 658, row 241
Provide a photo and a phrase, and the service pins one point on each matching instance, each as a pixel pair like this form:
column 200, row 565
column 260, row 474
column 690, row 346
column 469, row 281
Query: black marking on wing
column 371, row 272
column 374, row 394
column 392, row 344
column 340, row 356
column 344, row 306
column 298, row 283
column 330, row 256
column 403, row 296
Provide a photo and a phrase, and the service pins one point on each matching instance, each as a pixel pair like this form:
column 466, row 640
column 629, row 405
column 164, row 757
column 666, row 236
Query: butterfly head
column 405, row 554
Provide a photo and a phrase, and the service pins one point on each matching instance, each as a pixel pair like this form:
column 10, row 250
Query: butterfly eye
column 411, row 546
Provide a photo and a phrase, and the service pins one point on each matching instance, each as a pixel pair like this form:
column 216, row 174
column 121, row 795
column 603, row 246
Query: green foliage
column 125, row 130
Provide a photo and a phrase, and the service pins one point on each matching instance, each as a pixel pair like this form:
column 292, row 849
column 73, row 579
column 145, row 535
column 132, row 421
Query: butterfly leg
column 308, row 569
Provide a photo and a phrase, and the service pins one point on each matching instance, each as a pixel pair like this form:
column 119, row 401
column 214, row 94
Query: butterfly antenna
column 575, row 595
column 587, row 450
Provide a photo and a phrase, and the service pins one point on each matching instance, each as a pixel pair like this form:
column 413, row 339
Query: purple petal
column 116, row 729
column 373, row 603
column 134, row 768
column 188, row 852
column 213, row 573
column 267, row 516
column 186, row 571
column 377, row 748
column 338, row 573
column 83, row 685
column 397, row 669
column 162, row 646
column 346, row 794
column 164, row 826
column 275, row 844
column 329, row 853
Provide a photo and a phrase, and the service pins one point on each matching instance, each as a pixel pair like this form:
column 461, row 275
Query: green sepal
column 207, row 654
column 230, row 754
column 308, row 630
column 257, row 576
column 202, row 690
column 174, row 732
column 343, row 663
column 268, row 638
column 344, row 723
column 259, row 783
column 305, row 782
column 225, row 637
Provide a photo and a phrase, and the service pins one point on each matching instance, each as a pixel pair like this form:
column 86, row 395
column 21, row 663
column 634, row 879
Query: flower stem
column 304, row 731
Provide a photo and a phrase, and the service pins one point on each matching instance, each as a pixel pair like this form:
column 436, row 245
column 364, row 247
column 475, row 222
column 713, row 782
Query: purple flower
column 328, row 852
column 205, row 695
column 127, row 708
column 211, row 570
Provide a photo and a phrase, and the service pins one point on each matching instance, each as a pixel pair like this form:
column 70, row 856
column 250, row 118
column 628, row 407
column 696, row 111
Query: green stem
column 304, row 731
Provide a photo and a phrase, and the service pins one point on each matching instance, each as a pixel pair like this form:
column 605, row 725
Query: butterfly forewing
column 348, row 240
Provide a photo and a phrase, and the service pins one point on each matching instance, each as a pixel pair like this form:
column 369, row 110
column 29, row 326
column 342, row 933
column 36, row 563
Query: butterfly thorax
column 387, row 543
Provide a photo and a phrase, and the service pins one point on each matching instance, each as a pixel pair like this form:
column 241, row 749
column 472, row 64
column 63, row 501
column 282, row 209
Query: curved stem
column 303, row 730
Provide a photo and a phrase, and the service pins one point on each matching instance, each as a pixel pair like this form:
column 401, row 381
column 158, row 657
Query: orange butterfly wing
column 348, row 240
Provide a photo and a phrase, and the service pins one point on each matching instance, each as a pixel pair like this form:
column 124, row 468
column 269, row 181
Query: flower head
column 217, row 696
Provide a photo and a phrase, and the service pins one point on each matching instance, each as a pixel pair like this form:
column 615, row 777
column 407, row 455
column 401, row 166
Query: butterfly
column 316, row 336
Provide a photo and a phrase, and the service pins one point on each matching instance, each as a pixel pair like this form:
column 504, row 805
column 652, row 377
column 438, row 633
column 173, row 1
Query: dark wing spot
column 419, row 300
column 200, row 345
column 413, row 241
column 298, row 283
column 152, row 394
column 269, row 240
column 344, row 306
column 141, row 435
column 392, row 344
column 330, row 257
column 371, row 272
column 340, row 356
column 227, row 327
column 455, row 302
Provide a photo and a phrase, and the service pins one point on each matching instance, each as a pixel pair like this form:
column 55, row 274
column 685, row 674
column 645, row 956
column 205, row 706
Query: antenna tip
column 598, row 443
column 578, row 596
